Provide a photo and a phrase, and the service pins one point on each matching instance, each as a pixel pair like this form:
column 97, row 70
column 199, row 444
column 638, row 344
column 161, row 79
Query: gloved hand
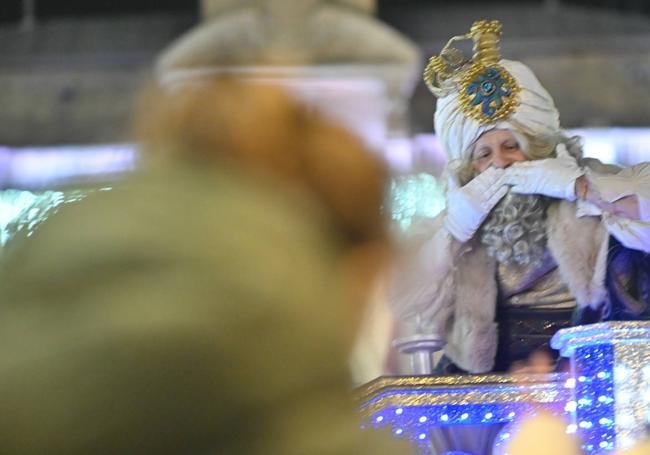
column 554, row 177
column 610, row 192
column 469, row 205
column 610, row 187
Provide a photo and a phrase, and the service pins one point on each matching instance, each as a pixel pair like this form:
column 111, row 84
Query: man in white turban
column 534, row 237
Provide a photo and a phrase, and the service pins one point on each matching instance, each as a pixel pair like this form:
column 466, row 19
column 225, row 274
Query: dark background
column 69, row 70
column 11, row 10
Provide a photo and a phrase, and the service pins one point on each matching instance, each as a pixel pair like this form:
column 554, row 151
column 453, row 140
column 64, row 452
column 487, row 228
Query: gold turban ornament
column 487, row 91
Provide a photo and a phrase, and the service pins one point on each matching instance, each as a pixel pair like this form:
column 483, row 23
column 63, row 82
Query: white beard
column 515, row 231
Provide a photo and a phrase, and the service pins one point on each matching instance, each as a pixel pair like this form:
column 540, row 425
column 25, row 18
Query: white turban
column 535, row 115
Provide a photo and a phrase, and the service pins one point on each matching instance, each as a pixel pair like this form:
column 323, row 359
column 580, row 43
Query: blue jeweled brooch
column 488, row 93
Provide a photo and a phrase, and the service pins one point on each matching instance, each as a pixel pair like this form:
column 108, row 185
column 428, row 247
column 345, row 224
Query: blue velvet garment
column 522, row 331
column 628, row 288
column 628, row 284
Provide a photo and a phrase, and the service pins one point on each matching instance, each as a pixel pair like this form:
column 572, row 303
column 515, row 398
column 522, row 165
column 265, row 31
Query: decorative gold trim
column 524, row 394
column 449, row 72
column 485, row 26
column 486, row 35
column 435, row 66
column 414, row 383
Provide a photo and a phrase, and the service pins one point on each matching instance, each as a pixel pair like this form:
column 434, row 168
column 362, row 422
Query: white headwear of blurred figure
column 485, row 93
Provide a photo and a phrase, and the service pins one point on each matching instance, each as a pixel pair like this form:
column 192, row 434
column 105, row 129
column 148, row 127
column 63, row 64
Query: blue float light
column 584, row 402
column 595, row 410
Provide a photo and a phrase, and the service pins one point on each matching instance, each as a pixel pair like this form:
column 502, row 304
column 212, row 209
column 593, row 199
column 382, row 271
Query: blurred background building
column 69, row 72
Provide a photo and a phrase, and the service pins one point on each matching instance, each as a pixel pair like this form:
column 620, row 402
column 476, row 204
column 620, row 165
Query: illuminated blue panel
column 611, row 374
column 595, row 410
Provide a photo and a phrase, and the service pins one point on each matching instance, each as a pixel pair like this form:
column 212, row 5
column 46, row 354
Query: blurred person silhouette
column 641, row 448
column 546, row 433
column 540, row 435
column 208, row 303
column 534, row 237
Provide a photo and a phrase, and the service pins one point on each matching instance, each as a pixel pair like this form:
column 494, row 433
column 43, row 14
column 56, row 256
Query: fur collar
column 579, row 246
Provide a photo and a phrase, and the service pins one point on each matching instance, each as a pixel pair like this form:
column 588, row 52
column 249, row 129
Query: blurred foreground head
column 261, row 130
column 546, row 434
column 206, row 304
column 541, row 435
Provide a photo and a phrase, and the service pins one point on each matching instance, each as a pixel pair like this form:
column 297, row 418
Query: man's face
column 498, row 148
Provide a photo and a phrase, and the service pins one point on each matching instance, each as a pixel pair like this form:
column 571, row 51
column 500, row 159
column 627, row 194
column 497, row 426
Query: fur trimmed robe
column 450, row 288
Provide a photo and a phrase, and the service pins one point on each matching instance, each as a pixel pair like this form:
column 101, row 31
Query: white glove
column 554, row 177
column 611, row 187
column 606, row 189
column 469, row 205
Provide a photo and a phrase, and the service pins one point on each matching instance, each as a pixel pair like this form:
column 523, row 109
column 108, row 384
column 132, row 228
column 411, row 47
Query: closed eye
column 482, row 153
